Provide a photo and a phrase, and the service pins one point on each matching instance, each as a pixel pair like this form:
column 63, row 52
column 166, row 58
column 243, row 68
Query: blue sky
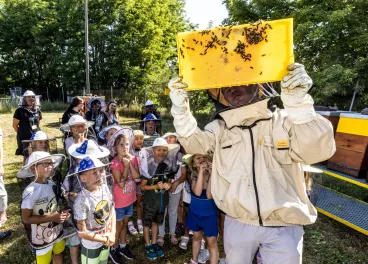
column 202, row 11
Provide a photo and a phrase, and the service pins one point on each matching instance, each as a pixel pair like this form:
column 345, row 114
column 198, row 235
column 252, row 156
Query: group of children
column 88, row 204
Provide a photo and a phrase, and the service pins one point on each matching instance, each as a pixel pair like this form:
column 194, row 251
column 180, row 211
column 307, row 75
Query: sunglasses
column 46, row 164
column 113, row 105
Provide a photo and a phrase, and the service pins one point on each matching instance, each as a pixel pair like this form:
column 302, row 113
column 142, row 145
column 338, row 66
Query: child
column 174, row 196
column 94, row 212
column 124, row 168
column 107, row 133
column 149, row 129
column 40, row 207
column 202, row 215
column 136, row 151
column 155, row 183
column 3, row 193
column 78, row 127
column 72, row 187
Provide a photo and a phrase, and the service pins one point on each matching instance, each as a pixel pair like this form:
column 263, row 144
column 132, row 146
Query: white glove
column 294, row 88
column 184, row 122
column 297, row 82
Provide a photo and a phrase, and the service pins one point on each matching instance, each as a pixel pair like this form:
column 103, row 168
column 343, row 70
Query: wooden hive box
column 351, row 138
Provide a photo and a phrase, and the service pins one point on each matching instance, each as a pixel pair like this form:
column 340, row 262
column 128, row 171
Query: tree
column 132, row 45
column 331, row 39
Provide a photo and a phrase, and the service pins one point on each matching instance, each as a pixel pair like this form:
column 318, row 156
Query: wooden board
column 350, row 162
column 233, row 56
column 351, row 142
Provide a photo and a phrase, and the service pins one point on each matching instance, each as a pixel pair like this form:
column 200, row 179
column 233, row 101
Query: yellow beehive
column 238, row 55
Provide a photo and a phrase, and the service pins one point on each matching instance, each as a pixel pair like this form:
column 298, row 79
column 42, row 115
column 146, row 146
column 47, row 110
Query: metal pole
column 88, row 87
column 355, row 91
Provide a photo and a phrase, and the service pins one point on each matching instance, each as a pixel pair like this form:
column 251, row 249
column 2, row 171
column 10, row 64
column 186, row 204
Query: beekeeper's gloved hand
column 294, row 88
column 184, row 121
column 179, row 97
column 297, row 82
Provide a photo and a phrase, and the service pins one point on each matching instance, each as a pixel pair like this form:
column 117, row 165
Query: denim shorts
column 121, row 213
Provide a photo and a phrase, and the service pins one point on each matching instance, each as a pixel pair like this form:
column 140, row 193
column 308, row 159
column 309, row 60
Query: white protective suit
column 257, row 177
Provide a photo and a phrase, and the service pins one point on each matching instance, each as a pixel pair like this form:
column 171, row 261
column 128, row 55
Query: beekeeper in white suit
column 257, row 178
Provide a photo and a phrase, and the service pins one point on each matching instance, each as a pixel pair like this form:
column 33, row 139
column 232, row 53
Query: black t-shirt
column 28, row 124
column 100, row 120
column 67, row 115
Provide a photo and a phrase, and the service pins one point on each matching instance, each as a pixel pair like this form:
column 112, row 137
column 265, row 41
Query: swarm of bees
column 252, row 35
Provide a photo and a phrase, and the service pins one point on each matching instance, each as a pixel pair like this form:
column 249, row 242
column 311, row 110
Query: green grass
column 327, row 241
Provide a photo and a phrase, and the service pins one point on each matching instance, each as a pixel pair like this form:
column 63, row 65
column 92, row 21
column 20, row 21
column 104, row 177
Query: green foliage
column 331, row 40
column 132, row 45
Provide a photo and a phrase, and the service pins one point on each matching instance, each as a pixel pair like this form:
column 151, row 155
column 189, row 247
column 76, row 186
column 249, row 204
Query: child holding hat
column 39, row 207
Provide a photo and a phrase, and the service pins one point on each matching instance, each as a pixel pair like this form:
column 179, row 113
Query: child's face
column 171, row 139
column 150, row 127
column 110, row 133
column 123, row 147
column 160, row 153
column 80, row 106
column 198, row 159
column 138, row 141
column 44, row 168
column 40, row 145
column 92, row 177
column 78, row 129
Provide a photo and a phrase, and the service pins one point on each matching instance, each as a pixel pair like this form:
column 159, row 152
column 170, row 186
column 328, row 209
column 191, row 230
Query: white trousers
column 172, row 210
column 277, row 245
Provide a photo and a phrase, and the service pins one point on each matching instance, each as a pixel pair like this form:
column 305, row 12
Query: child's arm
column 113, row 228
column 85, row 234
column 117, row 177
column 197, row 186
column 134, row 169
column 28, row 217
column 146, row 187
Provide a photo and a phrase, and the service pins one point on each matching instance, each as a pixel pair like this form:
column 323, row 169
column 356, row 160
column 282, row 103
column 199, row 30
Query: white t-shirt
column 41, row 199
column 96, row 208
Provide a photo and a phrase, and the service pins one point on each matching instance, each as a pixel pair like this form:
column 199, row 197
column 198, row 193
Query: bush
column 55, row 106
column 7, row 106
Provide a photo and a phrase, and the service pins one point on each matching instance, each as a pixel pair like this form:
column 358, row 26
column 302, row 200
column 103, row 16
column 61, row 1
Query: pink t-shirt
column 126, row 196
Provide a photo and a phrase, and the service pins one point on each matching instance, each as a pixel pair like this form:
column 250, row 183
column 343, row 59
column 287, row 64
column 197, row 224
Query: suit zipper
column 254, row 176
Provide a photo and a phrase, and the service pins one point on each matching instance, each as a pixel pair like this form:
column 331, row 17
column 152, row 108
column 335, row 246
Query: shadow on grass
column 53, row 125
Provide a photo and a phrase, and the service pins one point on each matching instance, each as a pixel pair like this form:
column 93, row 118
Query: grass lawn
column 327, row 241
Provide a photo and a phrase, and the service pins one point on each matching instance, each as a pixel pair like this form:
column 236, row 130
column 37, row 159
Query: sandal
column 132, row 229
column 160, row 240
column 173, row 239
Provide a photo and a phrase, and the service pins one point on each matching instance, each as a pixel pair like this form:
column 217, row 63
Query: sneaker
column 140, row 227
column 222, row 261
column 203, row 244
column 5, row 235
column 125, row 252
column 184, row 242
column 150, row 252
column 132, row 229
column 159, row 251
column 204, row 256
column 115, row 256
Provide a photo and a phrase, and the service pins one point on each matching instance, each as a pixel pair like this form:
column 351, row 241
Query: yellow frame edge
column 357, row 228
column 344, row 179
